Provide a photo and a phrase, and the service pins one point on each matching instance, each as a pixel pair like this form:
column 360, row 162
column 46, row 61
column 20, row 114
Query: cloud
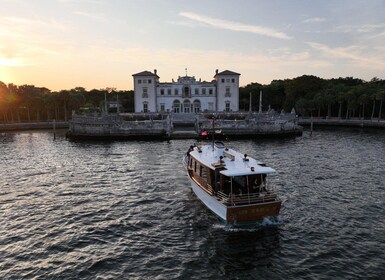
column 359, row 54
column 94, row 16
column 365, row 28
column 314, row 20
column 236, row 26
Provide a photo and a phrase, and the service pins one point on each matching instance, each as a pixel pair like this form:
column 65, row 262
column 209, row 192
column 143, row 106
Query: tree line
column 309, row 95
column 313, row 96
column 28, row 103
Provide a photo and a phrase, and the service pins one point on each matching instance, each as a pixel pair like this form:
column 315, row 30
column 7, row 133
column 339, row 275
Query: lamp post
column 109, row 90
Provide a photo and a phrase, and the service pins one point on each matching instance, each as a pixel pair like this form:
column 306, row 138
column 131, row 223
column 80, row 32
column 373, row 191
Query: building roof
column 226, row 72
column 145, row 73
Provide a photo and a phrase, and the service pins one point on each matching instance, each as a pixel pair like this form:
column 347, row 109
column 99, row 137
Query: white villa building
column 186, row 94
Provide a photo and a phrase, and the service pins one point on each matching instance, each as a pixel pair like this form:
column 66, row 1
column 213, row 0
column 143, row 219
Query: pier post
column 311, row 123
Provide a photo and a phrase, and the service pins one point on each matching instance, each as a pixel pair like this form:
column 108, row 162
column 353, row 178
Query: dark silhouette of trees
column 27, row 103
column 312, row 96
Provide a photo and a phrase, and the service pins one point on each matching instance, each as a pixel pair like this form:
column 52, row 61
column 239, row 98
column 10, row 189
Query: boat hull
column 236, row 214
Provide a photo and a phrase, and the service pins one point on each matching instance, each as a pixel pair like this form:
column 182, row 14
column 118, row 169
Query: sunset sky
column 62, row 44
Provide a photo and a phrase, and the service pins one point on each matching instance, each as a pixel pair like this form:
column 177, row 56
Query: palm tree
column 381, row 97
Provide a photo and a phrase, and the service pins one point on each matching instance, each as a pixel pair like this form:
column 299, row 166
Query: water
column 122, row 210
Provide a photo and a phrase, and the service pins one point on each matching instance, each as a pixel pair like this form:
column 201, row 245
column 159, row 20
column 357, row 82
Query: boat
column 232, row 185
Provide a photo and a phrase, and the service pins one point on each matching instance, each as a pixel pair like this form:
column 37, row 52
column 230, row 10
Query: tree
column 3, row 100
column 380, row 96
column 302, row 87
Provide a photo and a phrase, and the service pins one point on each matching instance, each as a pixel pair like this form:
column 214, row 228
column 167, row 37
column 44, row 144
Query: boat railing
column 250, row 198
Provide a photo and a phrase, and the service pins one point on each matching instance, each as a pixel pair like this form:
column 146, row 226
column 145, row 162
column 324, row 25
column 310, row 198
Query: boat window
column 211, row 178
column 203, row 172
column 197, row 167
column 225, row 184
column 239, row 185
column 257, row 183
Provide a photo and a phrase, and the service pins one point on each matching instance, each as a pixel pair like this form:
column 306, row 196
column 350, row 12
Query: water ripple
column 122, row 210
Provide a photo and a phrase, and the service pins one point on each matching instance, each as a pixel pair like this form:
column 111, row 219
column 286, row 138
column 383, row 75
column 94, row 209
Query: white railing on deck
column 241, row 199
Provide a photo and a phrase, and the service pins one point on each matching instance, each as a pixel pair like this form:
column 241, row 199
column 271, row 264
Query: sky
column 95, row 44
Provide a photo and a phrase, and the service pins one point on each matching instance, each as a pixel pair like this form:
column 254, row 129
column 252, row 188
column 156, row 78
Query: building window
column 169, row 91
column 197, row 106
column 186, row 106
column 176, row 106
column 211, row 91
column 233, row 80
column 162, row 91
column 144, row 81
column 223, row 80
column 162, row 107
column 227, row 80
column 203, row 91
column 211, row 106
column 227, row 109
column 176, row 91
column 139, row 81
column 227, row 94
column 149, row 81
column 145, row 93
column 186, row 92
column 145, row 107
column 197, row 91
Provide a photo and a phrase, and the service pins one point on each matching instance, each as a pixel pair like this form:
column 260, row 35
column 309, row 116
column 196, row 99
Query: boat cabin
column 226, row 173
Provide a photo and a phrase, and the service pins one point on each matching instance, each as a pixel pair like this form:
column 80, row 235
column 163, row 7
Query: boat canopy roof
column 230, row 161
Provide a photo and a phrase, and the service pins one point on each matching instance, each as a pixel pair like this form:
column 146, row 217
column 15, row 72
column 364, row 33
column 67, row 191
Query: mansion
column 186, row 94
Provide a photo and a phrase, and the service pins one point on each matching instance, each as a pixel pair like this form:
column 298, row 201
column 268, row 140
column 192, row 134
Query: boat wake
column 265, row 223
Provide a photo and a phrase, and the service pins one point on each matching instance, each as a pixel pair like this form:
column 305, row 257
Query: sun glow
column 6, row 64
column 10, row 62
column 5, row 76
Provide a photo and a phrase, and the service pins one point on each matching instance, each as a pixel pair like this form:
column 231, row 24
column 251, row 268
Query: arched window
column 176, row 106
column 197, row 106
column 186, row 106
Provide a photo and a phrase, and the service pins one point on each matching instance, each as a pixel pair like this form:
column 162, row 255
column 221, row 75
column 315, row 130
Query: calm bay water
column 123, row 210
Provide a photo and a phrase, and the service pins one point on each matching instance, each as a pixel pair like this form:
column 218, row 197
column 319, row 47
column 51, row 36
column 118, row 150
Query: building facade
column 186, row 94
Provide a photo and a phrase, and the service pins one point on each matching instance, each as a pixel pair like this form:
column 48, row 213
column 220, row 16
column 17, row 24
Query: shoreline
column 16, row 126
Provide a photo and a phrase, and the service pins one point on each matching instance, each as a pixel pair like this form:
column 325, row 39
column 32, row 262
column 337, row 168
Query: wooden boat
column 232, row 185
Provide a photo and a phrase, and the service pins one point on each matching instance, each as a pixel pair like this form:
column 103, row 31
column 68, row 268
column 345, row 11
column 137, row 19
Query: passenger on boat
column 259, row 183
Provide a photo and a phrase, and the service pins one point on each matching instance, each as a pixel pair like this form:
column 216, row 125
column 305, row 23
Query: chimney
column 155, row 71
column 216, row 72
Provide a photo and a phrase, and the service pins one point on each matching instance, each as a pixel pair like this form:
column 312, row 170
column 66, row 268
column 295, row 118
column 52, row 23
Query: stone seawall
column 375, row 123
